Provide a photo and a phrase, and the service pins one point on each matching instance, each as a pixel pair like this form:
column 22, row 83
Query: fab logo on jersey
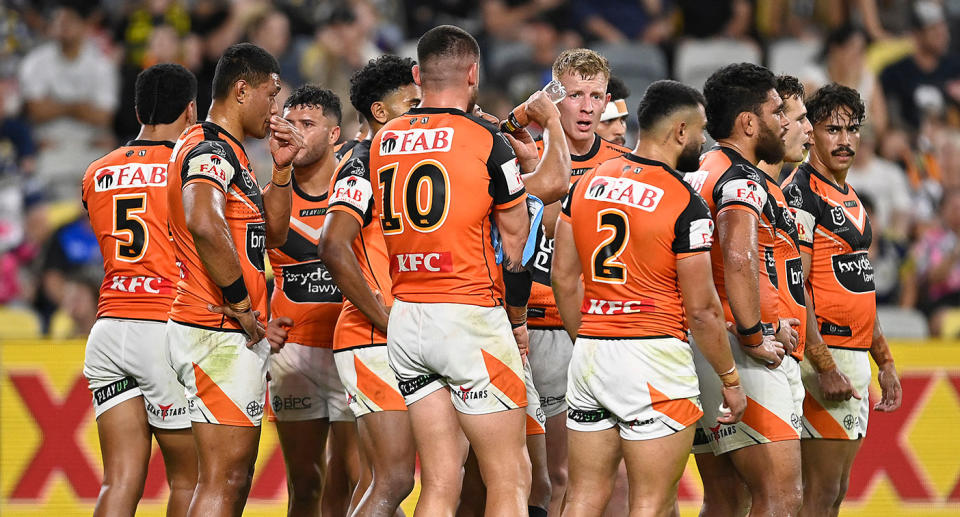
column 131, row 175
column 416, row 140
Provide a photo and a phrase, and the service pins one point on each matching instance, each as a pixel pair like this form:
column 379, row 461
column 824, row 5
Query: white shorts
column 468, row 348
column 225, row 382
column 646, row 387
column 846, row 420
column 305, row 385
column 550, row 352
column 536, row 420
column 368, row 380
column 126, row 359
column 774, row 403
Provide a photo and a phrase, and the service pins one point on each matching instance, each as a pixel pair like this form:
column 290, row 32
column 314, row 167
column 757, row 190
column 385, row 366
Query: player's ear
column 747, row 122
column 240, row 90
column 416, row 74
column 334, row 135
column 191, row 113
column 379, row 112
column 473, row 75
column 607, row 99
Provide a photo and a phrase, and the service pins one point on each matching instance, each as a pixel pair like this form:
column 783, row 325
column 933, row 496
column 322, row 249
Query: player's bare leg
column 619, row 500
column 826, row 475
column 499, row 441
column 125, row 444
column 594, row 457
column 724, row 492
column 388, row 442
column 180, row 459
column 540, row 479
column 772, row 474
column 443, row 450
column 473, row 495
column 654, row 468
column 364, row 480
column 303, row 445
column 227, row 455
column 343, row 469
column 557, row 460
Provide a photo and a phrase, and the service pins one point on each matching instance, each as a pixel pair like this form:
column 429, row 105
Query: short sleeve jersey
column 632, row 220
column 206, row 152
column 833, row 227
column 789, row 275
column 352, row 192
column 727, row 181
column 542, row 310
column 304, row 290
column 125, row 194
column 441, row 174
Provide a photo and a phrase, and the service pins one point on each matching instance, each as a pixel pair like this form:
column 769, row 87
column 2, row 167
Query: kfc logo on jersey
column 701, row 234
column 625, row 192
column 353, row 191
column 416, row 140
column 141, row 285
column 441, row 262
column 131, row 175
column 211, row 166
column 610, row 307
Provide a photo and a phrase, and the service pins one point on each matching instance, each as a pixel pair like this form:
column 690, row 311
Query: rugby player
column 584, row 75
column 135, row 394
column 744, row 114
column 306, row 397
column 353, row 248
column 222, row 223
column 449, row 339
column 613, row 120
column 835, row 233
column 633, row 387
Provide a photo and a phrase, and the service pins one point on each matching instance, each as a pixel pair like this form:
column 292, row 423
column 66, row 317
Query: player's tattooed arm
column 566, row 272
column 890, row 389
column 514, row 226
column 551, row 176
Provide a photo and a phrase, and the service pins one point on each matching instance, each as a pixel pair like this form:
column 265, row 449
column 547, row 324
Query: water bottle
column 518, row 117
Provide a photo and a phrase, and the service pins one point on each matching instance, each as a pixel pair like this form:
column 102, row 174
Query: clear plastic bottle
column 518, row 117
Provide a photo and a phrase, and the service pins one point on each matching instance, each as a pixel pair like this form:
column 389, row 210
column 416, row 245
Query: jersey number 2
column 129, row 229
column 606, row 268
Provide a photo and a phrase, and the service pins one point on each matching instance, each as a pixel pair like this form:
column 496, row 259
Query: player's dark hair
column 617, row 88
column 663, row 98
column 828, row 98
column 243, row 61
column 733, row 90
column 315, row 97
column 789, row 86
column 377, row 79
column 446, row 41
column 162, row 92
column 839, row 37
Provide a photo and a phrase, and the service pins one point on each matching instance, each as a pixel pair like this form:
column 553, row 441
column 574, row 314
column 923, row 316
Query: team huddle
column 551, row 326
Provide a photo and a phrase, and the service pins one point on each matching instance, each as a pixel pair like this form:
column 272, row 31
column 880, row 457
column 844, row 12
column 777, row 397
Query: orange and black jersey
column 789, row 268
column 441, row 174
column 206, row 152
column 305, row 291
column 352, row 192
column 542, row 310
column 832, row 225
column 125, row 194
column 632, row 220
column 729, row 182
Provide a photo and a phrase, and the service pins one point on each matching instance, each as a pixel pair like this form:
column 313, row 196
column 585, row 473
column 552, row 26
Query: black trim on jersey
column 304, row 195
column 815, row 172
column 594, row 149
column 855, row 349
column 130, row 319
column 299, row 248
column 346, row 148
column 545, row 327
column 217, row 130
column 148, row 143
column 204, row 327
column 623, row 338
column 357, row 347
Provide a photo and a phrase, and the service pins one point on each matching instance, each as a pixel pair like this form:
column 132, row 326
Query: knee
column 822, row 497
column 393, row 482
column 558, row 476
column 233, row 483
column 122, row 488
column 841, row 494
column 304, row 484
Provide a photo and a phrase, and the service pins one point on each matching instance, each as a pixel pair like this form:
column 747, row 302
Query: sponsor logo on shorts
column 721, row 431
column 590, row 416
column 131, row 175
column 795, row 421
column 163, row 411
column 640, row 423
column 541, row 416
column 141, row 284
column 290, row 403
column 551, row 400
column 441, row 262
column 851, row 421
column 101, row 395
column 594, row 306
column 410, row 386
column 416, row 140
column 466, row 394
column 254, row 408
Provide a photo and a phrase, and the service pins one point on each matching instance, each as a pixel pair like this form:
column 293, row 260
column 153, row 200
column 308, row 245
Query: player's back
column 440, row 174
column 125, row 195
column 632, row 219
column 207, row 153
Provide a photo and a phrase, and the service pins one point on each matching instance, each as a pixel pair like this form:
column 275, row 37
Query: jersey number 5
column 605, row 266
column 424, row 200
column 129, row 230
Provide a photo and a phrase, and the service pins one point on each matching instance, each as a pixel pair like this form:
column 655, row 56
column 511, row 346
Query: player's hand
column 525, row 149
column 249, row 321
column 836, row 387
column 277, row 333
column 381, row 323
column 788, row 335
column 541, row 109
column 477, row 112
column 734, row 404
column 523, row 339
column 769, row 351
column 891, row 394
column 285, row 141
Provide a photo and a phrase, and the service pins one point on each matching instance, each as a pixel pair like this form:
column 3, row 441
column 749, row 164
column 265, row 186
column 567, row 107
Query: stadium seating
column 18, row 323
column 697, row 59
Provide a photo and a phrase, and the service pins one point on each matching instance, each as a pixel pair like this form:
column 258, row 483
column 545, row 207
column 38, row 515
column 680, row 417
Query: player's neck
column 772, row 169
column 447, row 98
column 160, row 132
column 314, row 179
column 743, row 147
column 651, row 151
column 580, row 147
column 222, row 116
column 838, row 177
column 374, row 128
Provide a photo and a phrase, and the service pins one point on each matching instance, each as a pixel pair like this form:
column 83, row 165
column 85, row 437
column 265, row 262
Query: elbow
column 275, row 241
column 276, row 236
column 199, row 228
column 556, row 189
column 327, row 251
column 704, row 317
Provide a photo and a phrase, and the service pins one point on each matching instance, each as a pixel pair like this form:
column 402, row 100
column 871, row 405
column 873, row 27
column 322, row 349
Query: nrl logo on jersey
column 416, row 140
column 131, row 175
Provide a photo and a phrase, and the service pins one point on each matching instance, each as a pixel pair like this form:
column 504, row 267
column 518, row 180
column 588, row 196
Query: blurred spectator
column 887, row 186
column 215, row 26
column 78, row 313
column 270, row 29
column 527, row 72
column 885, row 254
column 70, row 87
column 843, row 61
column 71, row 250
column 619, row 21
column 506, row 20
column 613, row 122
column 936, row 262
column 423, row 15
column 928, row 81
column 718, row 18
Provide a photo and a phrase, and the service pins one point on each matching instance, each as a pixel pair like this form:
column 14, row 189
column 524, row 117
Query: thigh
column 440, row 442
column 388, row 440
column 550, row 353
column 303, row 443
column 179, row 453
column 593, row 458
column 296, row 390
column 654, row 468
column 125, row 441
column 826, row 463
column 772, row 467
column 223, row 450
